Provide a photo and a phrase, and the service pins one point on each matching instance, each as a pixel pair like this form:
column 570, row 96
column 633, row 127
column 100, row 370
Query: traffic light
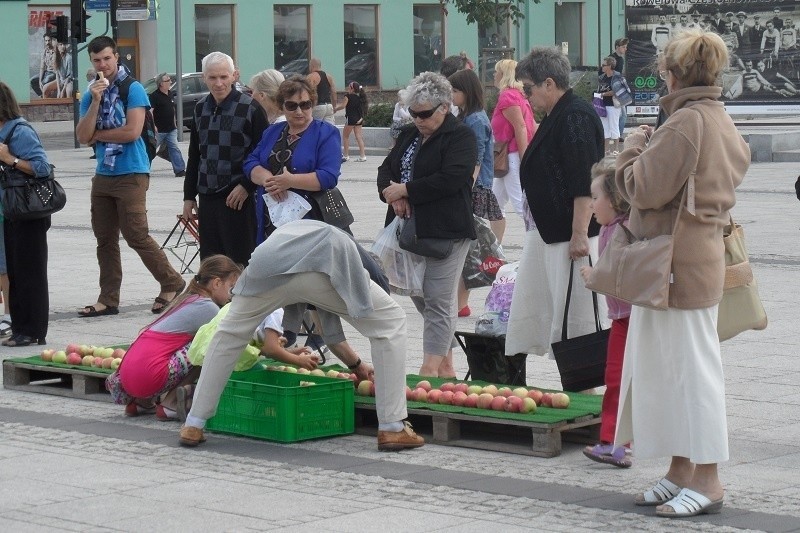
column 78, row 17
column 62, row 29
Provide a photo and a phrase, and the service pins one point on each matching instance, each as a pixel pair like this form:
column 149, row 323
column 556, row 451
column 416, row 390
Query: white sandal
column 661, row 493
column 5, row 328
column 689, row 502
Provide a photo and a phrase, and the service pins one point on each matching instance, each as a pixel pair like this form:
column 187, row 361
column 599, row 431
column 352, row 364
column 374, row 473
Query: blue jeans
column 175, row 156
column 623, row 117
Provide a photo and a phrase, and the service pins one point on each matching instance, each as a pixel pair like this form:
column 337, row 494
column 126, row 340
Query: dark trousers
column 226, row 231
column 26, row 258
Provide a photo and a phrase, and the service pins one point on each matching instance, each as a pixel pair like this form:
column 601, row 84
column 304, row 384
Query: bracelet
column 14, row 164
column 356, row 365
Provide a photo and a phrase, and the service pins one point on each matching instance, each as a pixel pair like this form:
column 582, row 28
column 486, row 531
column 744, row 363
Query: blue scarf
column 107, row 118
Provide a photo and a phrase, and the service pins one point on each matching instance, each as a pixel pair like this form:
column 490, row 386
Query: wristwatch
column 355, row 365
column 14, row 164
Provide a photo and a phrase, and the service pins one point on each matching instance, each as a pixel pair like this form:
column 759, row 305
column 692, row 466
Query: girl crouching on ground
column 156, row 364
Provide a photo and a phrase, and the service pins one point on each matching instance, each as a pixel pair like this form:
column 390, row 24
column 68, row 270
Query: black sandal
column 162, row 303
column 22, row 340
column 108, row 310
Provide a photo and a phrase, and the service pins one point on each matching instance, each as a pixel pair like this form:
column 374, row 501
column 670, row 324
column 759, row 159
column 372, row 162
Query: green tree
column 488, row 11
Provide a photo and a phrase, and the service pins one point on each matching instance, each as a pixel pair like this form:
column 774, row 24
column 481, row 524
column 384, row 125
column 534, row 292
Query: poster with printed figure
column 762, row 37
column 49, row 62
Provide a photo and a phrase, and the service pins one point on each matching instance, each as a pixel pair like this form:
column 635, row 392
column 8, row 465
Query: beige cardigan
column 698, row 139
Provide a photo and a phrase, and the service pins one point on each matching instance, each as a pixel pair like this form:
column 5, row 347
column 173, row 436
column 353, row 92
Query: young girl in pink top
column 609, row 211
column 156, row 364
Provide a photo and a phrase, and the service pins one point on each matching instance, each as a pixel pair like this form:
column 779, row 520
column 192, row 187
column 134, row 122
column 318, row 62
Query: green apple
column 60, row 357
column 115, row 363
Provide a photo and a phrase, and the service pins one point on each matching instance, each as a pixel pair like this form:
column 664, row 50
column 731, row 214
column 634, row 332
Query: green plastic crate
column 273, row 406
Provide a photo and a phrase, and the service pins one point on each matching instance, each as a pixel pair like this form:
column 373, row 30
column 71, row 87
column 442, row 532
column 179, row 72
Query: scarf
column 107, row 118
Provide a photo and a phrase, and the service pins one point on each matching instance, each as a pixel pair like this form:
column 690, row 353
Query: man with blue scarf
column 122, row 177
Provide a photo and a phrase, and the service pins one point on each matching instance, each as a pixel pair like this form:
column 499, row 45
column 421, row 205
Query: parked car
column 362, row 68
column 193, row 88
column 295, row 66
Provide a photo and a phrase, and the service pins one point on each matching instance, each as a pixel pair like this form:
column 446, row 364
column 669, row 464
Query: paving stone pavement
column 76, row 465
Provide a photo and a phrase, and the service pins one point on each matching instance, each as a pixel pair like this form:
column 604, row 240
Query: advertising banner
column 763, row 40
column 49, row 63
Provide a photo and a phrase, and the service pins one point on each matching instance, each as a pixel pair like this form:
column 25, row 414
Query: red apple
column 74, row 358
column 471, row 400
column 353, row 378
column 528, row 405
column 560, row 400
column 461, row 387
column 118, row 353
column 504, row 392
column 72, row 348
column 107, row 361
column 47, row 355
column 98, row 362
column 424, row 384
column 448, row 386
column 446, row 398
column 485, row 400
column 513, row 404
column 490, row 389
column 420, row 395
column 535, row 395
column 547, row 399
column 409, row 393
column 498, row 403
column 459, row 397
column 434, row 395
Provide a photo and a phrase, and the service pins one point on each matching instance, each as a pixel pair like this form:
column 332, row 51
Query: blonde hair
column 211, row 268
column 267, row 82
column 508, row 77
column 696, row 58
column 603, row 173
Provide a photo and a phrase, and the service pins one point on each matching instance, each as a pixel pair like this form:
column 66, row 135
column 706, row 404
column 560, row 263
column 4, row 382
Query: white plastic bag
column 294, row 207
column 404, row 270
column 494, row 321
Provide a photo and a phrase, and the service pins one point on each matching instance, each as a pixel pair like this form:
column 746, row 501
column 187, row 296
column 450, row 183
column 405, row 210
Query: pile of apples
column 518, row 400
column 86, row 355
column 316, row 372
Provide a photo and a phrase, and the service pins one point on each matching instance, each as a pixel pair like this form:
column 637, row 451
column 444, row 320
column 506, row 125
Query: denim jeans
column 175, row 156
column 623, row 118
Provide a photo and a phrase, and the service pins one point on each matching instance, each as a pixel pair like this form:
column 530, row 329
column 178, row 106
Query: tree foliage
column 488, row 12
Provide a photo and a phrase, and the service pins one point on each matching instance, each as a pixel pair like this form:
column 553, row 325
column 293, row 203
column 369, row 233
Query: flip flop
column 661, row 493
column 608, row 454
column 108, row 310
column 163, row 302
column 689, row 503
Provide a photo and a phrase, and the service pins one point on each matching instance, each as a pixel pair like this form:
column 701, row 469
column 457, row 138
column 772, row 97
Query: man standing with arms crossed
column 326, row 91
column 164, row 117
column 119, row 187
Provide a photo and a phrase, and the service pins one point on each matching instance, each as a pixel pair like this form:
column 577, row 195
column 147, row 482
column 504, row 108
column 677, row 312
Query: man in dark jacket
column 164, row 117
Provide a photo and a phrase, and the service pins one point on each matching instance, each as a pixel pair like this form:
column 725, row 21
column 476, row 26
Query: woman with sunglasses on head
column 428, row 174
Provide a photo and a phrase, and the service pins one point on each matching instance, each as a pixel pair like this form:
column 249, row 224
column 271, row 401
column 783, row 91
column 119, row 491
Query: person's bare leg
column 498, row 228
column 169, row 400
column 463, row 295
column 360, row 142
column 446, row 369
column 4, row 288
column 346, row 140
column 430, row 365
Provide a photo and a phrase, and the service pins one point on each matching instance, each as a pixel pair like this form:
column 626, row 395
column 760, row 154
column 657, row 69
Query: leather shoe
column 191, row 436
column 399, row 440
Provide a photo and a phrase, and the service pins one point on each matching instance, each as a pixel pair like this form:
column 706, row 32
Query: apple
column 74, row 358
column 317, row 372
column 474, row 389
column 364, row 388
column 107, row 361
column 513, row 404
column 409, row 393
column 520, row 392
column 60, row 357
column 535, row 395
column 87, row 360
column 560, row 400
column 118, row 353
column 498, row 403
column 84, row 350
column 47, row 355
column 471, row 400
column 490, row 389
column 424, row 384
column 353, row 378
column 293, row 370
column 115, row 363
column 342, row 375
column 72, row 348
column 459, row 397
column 273, row 368
column 446, row 398
column 98, row 362
column 505, row 392
column 420, row 395
column 97, row 351
column 547, row 399
column 434, row 395
column 461, row 387
column 448, row 386
column 485, row 400
column 303, row 371
column 528, row 405
column 332, row 373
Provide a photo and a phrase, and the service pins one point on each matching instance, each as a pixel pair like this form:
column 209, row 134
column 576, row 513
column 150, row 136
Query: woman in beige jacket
column 672, row 399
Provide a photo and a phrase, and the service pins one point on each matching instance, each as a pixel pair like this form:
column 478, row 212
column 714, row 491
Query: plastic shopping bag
column 197, row 351
column 294, row 207
column 404, row 270
column 485, row 257
column 494, row 320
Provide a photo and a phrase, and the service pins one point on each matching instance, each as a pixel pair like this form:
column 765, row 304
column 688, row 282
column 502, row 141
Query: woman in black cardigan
column 429, row 173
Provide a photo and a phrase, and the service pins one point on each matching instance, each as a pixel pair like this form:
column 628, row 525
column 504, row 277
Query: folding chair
column 184, row 236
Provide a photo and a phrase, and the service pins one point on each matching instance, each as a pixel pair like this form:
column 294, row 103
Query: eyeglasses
column 426, row 114
column 527, row 88
column 305, row 105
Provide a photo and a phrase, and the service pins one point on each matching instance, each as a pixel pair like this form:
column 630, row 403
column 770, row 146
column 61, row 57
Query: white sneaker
column 361, row 159
column 345, row 158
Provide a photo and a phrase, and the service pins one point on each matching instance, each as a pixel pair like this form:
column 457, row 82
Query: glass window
column 428, row 38
column 361, row 44
column 213, row 31
column 569, row 29
column 494, row 41
column 291, row 38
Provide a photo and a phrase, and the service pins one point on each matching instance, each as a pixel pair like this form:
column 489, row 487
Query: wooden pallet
column 494, row 434
column 69, row 382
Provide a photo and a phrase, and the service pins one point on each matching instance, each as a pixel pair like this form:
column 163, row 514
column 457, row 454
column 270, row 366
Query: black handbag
column 581, row 360
column 487, row 359
column 424, row 246
column 333, row 207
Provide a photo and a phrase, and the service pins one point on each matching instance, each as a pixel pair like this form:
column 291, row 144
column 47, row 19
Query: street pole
column 179, row 69
column 114, row 28
column 75, row 90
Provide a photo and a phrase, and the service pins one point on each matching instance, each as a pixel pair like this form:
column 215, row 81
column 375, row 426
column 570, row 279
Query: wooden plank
column 65, row 382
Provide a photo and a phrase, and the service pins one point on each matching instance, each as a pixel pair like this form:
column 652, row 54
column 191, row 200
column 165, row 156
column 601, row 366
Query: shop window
column 569, row 30
column 495, row 43
column 291, row 38
column 361, row 44
column 428, row 38
column 214, row 31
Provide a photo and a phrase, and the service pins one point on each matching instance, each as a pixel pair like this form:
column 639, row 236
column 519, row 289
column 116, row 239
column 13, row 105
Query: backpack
column 149, row 127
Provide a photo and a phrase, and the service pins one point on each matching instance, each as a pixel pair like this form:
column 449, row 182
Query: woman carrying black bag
column 26, row 241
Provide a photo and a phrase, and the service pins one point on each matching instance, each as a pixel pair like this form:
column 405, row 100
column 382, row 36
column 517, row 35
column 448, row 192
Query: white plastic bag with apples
column 494, row 320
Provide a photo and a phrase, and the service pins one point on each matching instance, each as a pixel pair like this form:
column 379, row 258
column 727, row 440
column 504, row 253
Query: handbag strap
column 597, row 325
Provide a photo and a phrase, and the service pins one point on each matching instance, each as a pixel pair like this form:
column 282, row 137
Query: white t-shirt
column 273, row 321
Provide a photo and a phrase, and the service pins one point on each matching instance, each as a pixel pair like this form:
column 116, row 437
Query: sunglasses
column 428, row 113
column 305, row 105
